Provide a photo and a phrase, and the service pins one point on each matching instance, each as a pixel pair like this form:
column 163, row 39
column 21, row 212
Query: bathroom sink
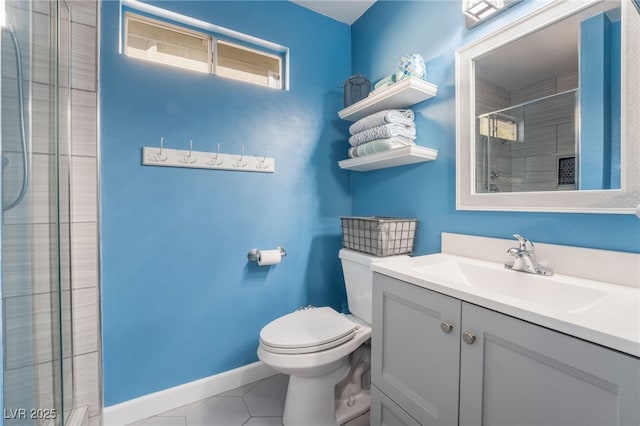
column 597, row 311
column 515, row 288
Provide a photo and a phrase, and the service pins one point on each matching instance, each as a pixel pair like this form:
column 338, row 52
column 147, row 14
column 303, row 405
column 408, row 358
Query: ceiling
column 513, row 66
column 347, row 11
column 519, row 63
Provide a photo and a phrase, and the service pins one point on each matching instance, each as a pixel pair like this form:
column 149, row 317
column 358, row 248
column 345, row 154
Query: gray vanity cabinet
column 507, row 371
column 414, row 362
column 518, row 373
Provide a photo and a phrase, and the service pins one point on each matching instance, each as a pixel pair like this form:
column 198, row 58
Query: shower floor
column 256, row 404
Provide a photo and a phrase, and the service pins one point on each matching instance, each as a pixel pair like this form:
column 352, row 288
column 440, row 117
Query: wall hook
column 216, row 161
column 189, row 159
column 160, row 156
column 262, row 164
column 240, row 161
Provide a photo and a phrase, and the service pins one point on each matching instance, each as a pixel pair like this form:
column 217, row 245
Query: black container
column 356, row 87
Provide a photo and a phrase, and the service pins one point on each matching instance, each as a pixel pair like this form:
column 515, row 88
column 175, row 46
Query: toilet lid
column 308, row 330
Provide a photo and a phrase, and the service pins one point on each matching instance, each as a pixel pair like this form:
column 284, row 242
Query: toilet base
column 311, row 400
column 360, row 404
column 362, row 420
column 353, row 396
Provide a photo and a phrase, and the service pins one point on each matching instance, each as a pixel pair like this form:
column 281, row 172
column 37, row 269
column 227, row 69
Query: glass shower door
column 35, row 235
column 63, row 151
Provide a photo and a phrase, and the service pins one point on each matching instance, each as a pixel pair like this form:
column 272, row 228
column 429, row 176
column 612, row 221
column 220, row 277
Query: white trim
column 623, row 201
column 168, row 399
column 131, row 16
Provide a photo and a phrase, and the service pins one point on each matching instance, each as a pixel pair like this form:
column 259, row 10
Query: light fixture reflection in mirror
column 480, row 9
column 477, row 11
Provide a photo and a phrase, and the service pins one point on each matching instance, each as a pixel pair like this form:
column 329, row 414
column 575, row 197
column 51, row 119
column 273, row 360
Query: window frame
column 162, row 18
column 214, row 58
column 129, row 16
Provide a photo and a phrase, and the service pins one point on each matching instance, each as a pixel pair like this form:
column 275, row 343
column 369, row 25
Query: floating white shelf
column 404, row 93
column 396, row 157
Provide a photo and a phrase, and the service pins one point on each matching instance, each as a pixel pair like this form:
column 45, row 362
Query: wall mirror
column 547, row 112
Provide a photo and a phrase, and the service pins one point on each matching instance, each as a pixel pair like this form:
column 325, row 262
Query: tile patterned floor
column 257, row 404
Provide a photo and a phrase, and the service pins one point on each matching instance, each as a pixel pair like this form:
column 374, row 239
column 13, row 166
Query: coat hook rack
column 164, row 157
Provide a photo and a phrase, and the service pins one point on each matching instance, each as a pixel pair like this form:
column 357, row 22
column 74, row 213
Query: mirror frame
column 625, row 200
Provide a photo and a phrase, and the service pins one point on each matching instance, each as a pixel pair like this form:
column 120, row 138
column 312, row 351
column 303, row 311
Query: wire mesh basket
column 379, row 235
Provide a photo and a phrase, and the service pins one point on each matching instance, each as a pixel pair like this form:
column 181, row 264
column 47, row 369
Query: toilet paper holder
column 254, row 254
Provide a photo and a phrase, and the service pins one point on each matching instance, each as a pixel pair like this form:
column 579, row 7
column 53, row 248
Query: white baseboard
column 168, row 399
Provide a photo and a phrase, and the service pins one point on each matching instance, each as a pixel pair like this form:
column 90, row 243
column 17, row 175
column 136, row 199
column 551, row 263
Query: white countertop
column 596, row 311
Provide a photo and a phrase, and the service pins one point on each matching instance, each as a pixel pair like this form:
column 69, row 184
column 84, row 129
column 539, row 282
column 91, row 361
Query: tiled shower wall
column 549, row 128
column 84, row 209
column 491, row 98
column 549, row 132
column 30, row 230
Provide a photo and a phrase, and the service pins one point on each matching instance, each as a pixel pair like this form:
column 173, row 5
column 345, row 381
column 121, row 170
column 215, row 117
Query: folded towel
column 379, row 145
column 400, row 116
column 381, row 132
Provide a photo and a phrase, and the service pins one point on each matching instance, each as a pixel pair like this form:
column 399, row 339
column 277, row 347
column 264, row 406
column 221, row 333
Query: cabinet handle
column 446, row 327
column 469, row 338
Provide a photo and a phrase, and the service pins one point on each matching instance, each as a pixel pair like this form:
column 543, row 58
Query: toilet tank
column 358, row 280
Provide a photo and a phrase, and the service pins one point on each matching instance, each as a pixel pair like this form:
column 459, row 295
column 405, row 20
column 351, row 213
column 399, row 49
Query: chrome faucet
column 525, row 258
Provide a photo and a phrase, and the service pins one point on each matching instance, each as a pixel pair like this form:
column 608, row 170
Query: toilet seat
column 308, row 349
column 307, row 331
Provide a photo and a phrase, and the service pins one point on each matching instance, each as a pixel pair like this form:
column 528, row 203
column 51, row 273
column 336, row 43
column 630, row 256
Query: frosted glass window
column 248, row 65
column 168, row 44
column 158, row 42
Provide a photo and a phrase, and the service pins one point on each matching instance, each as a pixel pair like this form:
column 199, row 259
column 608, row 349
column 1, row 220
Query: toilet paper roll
column 269, row 257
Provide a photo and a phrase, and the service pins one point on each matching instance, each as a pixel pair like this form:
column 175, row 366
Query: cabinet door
column 413, row 361
column 518, row 373
column 385, row 412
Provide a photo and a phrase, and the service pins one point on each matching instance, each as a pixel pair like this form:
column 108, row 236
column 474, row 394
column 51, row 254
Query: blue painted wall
column 600, row 103
column 616, row 103
column 435, row 29
column 179, row 300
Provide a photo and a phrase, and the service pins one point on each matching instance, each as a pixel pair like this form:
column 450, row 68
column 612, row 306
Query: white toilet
column 319, row 349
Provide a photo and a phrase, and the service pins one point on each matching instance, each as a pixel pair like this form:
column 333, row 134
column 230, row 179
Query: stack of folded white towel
column 382, row 131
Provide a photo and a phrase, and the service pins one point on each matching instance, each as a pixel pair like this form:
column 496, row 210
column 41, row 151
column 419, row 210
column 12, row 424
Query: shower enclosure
column 35, row 280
